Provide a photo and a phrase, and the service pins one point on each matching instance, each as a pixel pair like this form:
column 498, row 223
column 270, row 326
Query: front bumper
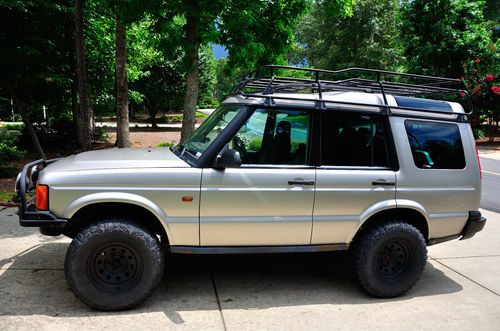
column 49, row 224
column 29, row 216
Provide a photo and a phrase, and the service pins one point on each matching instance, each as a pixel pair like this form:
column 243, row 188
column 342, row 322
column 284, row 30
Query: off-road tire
column 389, row 258
column 114, row 264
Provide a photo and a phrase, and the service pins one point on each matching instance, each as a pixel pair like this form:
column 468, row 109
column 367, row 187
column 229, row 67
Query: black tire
column 114, row 265
column 389, row 258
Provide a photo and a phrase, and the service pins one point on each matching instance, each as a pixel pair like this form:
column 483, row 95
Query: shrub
column 479, row 132
column 166, row 144
column 17, row 127
column 9, row 152
column 255, row 145
column 100, row 135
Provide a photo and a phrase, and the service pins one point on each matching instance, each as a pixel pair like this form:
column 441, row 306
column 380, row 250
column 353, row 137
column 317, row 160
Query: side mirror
column 228, row 158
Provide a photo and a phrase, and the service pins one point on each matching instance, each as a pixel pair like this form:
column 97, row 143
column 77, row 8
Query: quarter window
column 352, row 139
column 435, row 145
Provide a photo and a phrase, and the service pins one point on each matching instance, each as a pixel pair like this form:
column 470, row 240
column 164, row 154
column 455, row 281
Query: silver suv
column 336, row 161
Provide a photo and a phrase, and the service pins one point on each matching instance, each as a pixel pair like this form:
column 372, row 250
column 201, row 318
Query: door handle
column 383, row 183
column 301, row 182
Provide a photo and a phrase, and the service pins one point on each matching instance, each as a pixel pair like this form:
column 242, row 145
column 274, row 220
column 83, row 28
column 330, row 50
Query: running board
column 257, row 249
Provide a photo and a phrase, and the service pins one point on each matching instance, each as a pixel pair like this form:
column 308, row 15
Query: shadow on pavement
column 33, row 283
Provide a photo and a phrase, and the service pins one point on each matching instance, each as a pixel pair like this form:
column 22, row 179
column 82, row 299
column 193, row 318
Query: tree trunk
column 152, row 111
column 29, row 126
column 131, row 111
column 122, row 123
column 192, row 79
column 70, row 42
column 74, row 110
column 85, row 112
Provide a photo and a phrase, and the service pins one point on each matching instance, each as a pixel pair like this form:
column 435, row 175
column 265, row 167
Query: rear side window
column 353, row 139
column 435, row 145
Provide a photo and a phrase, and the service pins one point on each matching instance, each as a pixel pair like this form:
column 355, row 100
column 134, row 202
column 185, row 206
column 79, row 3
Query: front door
column 269, row 200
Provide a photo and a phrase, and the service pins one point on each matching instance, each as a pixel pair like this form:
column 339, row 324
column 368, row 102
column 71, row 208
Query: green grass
column 199, row 114
column 177, row 118
column 170, row 119
column 166, row 144
column 6, row 195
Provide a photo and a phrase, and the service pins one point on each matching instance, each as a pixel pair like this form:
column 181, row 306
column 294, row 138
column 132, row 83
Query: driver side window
column 272, row 136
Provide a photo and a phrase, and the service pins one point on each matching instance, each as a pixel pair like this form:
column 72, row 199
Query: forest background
column 67, row 65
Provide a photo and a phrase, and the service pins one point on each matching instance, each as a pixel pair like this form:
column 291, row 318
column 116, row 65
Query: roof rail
column 265, row 83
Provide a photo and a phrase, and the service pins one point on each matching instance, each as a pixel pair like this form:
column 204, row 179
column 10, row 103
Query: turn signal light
column 42, row 197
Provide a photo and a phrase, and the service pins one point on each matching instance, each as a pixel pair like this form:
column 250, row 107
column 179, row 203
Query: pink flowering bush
column 484, row 89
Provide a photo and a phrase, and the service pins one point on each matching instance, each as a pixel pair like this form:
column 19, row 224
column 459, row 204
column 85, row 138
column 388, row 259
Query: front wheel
column 114, row 265
column 389, row 258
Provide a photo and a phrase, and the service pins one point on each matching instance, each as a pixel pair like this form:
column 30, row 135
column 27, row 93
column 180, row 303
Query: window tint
column 435, row 145
column 353, row 140
column 273, row 136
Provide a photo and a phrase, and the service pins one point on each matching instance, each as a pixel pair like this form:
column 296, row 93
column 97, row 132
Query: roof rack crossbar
column 259, row 85
column 355, row 69
column 355, row 82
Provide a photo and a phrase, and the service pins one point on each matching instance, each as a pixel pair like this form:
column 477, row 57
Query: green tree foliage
column 484, row 88
column 226, row 78
column 8, row 147
column 441, row 35
column 254, row 33
column 492, row 14
column 368, row 37
column 34, row 57
column 208, row 77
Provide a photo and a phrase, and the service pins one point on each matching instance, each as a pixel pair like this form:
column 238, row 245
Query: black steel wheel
column 114, row 265
column 389, row 258
column 393, row 259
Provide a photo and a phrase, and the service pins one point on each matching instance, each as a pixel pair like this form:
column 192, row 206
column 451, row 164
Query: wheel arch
column 89, row 208
column 413, row 216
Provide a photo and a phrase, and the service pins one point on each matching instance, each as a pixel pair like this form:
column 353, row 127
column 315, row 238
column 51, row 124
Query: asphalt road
column 490, row 198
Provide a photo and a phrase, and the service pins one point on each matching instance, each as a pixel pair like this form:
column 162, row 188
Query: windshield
column 210, row 129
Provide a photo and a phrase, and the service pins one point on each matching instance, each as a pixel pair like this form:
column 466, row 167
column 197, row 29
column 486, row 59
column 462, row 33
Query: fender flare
column 117, row 197
column 389, row 205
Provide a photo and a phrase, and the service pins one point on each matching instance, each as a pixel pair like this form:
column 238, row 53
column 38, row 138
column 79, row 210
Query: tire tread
column 365, row 243
column 128, row 227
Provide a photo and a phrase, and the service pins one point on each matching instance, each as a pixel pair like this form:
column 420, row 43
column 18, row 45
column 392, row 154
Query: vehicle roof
column 334, row 100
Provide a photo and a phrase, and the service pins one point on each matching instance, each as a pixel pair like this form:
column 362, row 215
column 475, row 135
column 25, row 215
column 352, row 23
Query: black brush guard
column 29, row 216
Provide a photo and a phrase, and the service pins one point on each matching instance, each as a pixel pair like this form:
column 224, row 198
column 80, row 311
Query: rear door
column 355, row 175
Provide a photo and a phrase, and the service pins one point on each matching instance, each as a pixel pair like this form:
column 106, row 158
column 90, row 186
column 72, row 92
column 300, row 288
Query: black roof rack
column 265, row 82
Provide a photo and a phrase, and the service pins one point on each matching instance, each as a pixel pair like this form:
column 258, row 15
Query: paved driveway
column 459, row 290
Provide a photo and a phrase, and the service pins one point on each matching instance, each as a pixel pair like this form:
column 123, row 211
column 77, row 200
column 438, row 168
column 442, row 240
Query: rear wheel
column 389, row 258
column 114, row 264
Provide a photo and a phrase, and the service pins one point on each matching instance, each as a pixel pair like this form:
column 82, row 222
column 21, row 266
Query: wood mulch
column 149, row 138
